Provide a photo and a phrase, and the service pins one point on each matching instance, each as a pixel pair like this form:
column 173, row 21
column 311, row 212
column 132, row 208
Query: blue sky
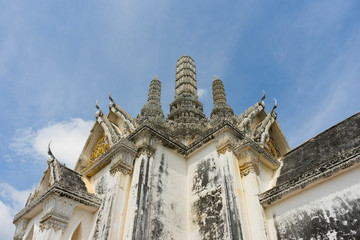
column 58, row 57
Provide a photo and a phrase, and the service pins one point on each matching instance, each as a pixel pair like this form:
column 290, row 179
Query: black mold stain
column 208, row 210
column 208, row 215
column 320, row 223
column 140, row 228
column 232, row 210
column 157, row 226
column 103, row 223
column 101, row 186
column 202, row 176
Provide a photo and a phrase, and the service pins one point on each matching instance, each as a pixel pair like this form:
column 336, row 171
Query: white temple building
column 185, row 176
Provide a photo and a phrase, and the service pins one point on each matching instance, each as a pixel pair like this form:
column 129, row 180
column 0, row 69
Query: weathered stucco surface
column 185, row 176
column 330, row 210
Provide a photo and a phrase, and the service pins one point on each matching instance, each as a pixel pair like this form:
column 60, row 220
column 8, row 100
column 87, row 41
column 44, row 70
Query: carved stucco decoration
column 225, row 141
column 246, row 119
column 122, row 161
column 57, row 212
column 146, row 143
column 129, row 121
column 248, row 162
column 111, row 134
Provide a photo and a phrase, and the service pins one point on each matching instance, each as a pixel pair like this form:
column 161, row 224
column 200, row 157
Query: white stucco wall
column 320, row 204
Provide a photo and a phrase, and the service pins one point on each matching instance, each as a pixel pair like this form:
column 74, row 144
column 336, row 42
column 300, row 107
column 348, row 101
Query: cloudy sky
column 58, row 57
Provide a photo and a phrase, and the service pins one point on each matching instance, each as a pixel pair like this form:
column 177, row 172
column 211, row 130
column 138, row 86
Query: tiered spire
column 221, row 109
column 152, row 110
column 185, row 76
column 186, row 107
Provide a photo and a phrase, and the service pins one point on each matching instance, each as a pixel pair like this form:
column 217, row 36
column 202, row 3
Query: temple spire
column 152, row 110
column 186, row 107
column 221, row 109
column 185, row 77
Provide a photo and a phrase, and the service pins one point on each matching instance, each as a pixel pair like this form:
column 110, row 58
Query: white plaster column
column 20, row 229
column 139, row 200
column 56, row 215
column 121, row 181
column 249, row 170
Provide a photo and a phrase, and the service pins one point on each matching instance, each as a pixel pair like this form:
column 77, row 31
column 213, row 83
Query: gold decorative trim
column 100, row 148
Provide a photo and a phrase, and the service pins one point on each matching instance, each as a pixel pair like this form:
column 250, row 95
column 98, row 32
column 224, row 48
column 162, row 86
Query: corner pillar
column 20, row 229
column 121, row 171
column 249, row 170
column 56, row 215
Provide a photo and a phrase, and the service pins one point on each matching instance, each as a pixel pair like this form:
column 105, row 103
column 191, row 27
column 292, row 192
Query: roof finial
column 111, row 99
column 275, row 105
column 216, row 77
column 49, row 151
column 156, row 77
column 263, row 97
column 97, row 104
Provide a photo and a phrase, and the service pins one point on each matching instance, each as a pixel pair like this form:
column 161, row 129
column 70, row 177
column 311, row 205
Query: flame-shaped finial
column 50, row 152
column 275, row 105
column 111, row 99
column 97, row 104
column 263, row 97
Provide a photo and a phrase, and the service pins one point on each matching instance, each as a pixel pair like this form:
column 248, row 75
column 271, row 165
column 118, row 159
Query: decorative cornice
column 168, row 141
column 267, row 159
column 103, row 160
column 54, row 221
column 85, row 198
column 121, row 167
column 316, row 175
column 249, row 167
column 248, row 162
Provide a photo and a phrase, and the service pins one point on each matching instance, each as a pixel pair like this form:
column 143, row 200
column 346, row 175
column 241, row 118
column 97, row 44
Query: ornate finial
column 216, row 77
column 275, row 105
column 263, row 97
column 97, row 104
column 156, row 77
column 111, row 99
column 49, row 151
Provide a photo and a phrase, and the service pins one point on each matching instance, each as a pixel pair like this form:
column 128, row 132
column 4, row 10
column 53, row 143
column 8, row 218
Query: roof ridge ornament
column 263, row 97
column 275, row 106
column 97, row 104
column 110, row 98
column 52, row 157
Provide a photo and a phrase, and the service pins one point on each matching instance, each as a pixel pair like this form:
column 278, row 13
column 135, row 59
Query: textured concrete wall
column 213, row 204
column 168, row 209
column 330, row 210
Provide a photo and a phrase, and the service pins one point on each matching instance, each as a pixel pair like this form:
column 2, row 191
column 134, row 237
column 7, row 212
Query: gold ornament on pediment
column 272, row 149
column 100, row 148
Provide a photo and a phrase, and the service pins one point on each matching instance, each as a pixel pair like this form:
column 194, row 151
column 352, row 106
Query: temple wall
column 213, row 203
column 157, row 201
column 265, row 177
column 169, row 215
column 329, row 210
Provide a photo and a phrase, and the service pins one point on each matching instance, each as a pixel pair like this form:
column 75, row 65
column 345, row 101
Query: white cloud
column 68, row 138
column 202, row 93
column 11, row 202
